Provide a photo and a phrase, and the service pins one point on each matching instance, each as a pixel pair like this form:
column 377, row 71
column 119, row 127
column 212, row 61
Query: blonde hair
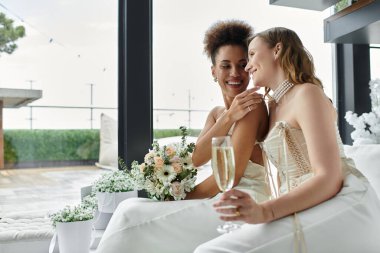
column 295, row 60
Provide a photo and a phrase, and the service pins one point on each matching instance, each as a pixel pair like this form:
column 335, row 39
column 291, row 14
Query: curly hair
column 295, row 60
column 230, row 32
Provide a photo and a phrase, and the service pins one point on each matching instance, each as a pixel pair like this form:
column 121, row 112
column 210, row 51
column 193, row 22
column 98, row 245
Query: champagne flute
column 223, row 167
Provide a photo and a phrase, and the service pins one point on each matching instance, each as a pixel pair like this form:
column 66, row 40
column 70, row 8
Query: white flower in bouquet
column 72, row 214
column 149, row 158
column 189, row 183
column 177, row 190
column 367, row 125
column 167, row 172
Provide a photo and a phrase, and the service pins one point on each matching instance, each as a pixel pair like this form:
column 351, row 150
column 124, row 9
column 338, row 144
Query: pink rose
column 158, row 161
column 175, row 159
column 148, row 157
column 142, row 167
column 177, row 191
column 170, row 151
column 177, row 167
column 176, row 188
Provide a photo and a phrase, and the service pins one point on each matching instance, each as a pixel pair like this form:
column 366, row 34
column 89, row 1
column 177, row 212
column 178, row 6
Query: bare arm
column 244, row 136
column 315, row 116
column 218, row 124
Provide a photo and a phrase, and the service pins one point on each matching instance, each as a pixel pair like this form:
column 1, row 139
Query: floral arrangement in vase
column 167, row 172
column 114, row 181
column 73, row 228
column 112, row 188
column 367, row 125
column 80, row 212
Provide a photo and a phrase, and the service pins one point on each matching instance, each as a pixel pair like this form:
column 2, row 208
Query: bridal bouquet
column 167, row 172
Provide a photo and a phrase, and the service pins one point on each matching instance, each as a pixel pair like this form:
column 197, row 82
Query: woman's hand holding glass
column 243, row 208
column 244, row 103
column 223, row 168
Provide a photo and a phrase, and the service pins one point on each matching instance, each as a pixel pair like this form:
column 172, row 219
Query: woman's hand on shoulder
column 244, row 103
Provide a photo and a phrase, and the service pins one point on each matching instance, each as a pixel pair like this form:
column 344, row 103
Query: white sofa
column 32, row 233
column 367, row 160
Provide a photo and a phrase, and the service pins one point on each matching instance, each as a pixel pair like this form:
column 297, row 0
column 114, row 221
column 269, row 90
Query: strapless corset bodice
column 285, row 147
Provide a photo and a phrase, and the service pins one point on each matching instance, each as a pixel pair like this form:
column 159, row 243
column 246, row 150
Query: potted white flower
column 73, row 228
column 112, row 188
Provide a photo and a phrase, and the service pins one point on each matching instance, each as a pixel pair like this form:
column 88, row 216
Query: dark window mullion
column 135, row 79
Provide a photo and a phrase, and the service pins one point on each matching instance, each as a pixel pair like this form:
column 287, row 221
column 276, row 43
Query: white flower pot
column 74, row 237
column 108, row 201
column 101, row 220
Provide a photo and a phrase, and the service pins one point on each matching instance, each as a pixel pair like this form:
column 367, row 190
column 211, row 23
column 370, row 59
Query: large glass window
column 184, row 90
column 375, row 61
column 69, row 53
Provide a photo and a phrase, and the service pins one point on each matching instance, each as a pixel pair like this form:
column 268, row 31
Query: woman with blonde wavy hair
column 322, row 202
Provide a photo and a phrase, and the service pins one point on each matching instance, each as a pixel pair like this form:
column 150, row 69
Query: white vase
column 101, row 220
column 74, row 237
column 108, row 201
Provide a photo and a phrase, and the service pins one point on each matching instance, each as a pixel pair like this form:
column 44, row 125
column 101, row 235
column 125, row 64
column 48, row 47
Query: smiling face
column 230, row 62
column 262, row 62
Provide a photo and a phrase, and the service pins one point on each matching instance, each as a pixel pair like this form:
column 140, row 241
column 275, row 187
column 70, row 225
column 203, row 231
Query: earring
column 215, row 79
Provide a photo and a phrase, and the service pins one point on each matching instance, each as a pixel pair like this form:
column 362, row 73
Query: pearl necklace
column 281, row 90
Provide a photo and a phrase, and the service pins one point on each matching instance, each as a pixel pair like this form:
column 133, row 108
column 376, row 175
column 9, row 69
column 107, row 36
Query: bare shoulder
column 308, row 93
column 261, row 111
column 309, row 97
column 258, row 115
column 308, row 90
column 217, row 111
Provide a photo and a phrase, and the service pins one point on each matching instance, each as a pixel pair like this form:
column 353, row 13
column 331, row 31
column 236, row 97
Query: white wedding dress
column 142, row 225
column 347, row 223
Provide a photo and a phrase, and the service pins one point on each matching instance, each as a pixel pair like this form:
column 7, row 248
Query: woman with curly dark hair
column 144, row 225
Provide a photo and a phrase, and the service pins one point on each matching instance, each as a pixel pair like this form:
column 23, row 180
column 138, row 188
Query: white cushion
column 25, row 232
column 108, row 142
column 367, row 160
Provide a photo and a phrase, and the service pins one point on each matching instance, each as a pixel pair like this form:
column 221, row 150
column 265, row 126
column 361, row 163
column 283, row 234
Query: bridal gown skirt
column 347, row 223
column 142, row 226
column 147, row 226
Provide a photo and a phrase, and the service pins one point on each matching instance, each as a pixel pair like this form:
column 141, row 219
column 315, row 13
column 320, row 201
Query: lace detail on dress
column 303, row 166
column 289, row 145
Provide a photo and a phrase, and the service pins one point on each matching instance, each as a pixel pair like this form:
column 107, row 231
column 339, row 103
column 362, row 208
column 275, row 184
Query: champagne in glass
column 223, row 167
